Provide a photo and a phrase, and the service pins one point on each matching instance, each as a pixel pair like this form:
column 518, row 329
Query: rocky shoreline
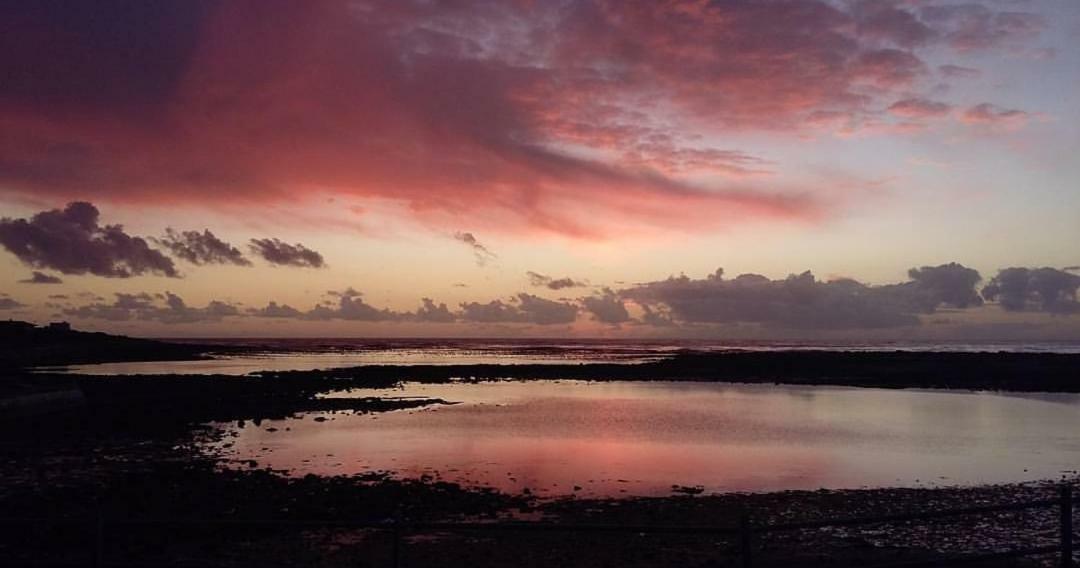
column 127, row 474
column 1005, row 371
column 137, row 452
column 125, row 481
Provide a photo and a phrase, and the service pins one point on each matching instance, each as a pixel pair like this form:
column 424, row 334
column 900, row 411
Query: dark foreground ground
column 125, row 476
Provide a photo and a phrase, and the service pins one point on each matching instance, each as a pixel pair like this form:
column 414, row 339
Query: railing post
column 397, row 544
column 99, row 538
column 1066, row 526
column 746, row 544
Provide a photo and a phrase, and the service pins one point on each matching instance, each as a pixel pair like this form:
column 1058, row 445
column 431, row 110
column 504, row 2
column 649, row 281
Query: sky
column 734, row 168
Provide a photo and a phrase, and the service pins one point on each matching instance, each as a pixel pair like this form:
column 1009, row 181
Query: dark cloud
column 801, row 301
column 1071, row 268
column 177, row 311
column 345, row 305
column 495, row 311
column 480, row 252
column 430, row 312
column 950, row 284
column 115, row 57
column 350, row 306
column 1038, row 289
column 274, row 310
column 546, row 312
column 524, row 308
column 201, row 248
column 41, row 278
column 72, row 242
column 658, row 316
column 166, row 308
column 544, row 281
column 281, row 253
column 607, row 307
column 9, row 303
column 346, row 293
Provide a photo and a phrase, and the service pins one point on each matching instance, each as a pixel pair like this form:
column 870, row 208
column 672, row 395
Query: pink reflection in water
column 559, row 438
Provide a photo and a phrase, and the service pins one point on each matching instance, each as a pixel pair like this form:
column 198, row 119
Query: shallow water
column 302, row 361
column 302, row 354
column 641, row 438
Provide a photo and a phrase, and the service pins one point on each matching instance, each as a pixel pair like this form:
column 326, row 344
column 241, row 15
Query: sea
column 621, row 438
column 241, row 356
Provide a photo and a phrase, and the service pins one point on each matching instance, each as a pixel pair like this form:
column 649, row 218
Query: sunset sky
column 544, row 168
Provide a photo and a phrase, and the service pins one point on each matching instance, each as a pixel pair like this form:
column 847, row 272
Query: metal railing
column 746, row 532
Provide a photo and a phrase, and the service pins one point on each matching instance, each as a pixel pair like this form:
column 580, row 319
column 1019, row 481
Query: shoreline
column 136, row 450
column 30, row 350
column 1013, row 372
column 93, row 465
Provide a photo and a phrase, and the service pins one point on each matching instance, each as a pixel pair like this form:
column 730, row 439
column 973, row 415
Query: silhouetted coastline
column 27, row 346
column 1022, row 372
column 24, row 344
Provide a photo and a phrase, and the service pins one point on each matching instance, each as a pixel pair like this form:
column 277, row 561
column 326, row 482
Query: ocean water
column 612, row 439
column 308, row 354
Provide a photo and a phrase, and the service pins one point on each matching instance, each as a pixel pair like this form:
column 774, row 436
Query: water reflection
column 641, row 438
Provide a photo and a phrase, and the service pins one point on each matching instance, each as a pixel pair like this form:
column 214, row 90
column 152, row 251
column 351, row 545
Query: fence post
column 746, row 544
column 1066, row 526
column 397, row 544
column 99, row 538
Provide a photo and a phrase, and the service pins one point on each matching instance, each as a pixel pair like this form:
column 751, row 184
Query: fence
column 745, row 532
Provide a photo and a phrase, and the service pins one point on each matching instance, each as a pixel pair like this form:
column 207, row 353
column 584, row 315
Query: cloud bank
column 1041, row 289
column 165, row 308
column 799, row 302
column 607, row 307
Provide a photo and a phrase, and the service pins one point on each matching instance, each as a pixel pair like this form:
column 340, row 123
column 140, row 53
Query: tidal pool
column 558, row 438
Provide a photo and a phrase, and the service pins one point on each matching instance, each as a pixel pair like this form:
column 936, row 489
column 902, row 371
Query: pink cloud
column 919, row 108
column 992, row 115
column 888, row 67
column 887, row 20
column 959, row 72
column 516, row 115
column 975, row 26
